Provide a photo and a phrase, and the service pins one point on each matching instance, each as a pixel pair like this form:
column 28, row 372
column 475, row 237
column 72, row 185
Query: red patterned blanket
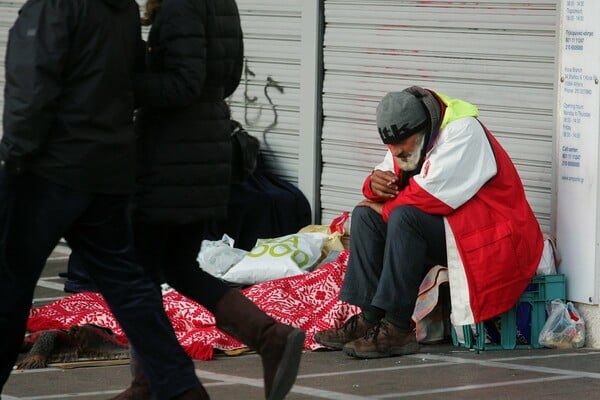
column 309, row 302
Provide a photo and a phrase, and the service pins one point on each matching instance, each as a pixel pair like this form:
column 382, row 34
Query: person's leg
column 78, row 279
column 365, row 261
column 414, row 239
column 170, row 252
column 152, row 248
column 139, row 388
column 280, row 346
column 103, row 238
column 367, row 246
column 40, row 215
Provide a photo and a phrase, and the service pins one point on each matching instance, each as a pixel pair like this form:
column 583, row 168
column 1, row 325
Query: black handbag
column 245, row 149
column 263, row 206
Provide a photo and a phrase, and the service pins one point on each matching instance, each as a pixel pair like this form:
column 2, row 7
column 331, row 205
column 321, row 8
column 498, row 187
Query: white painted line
column 64, row 395
column 238, row 380
column 327, row 394
column 230, row 379
column 63, row 248
column 51, row 285
column 372, row 370
column 58, row 257
column 35, row 370
column 548, row 356
column 51, row 278
column 46, row 299
column 495, row 364
column 472, row 387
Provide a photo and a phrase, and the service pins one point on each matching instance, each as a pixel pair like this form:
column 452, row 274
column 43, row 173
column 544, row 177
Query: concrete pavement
column 436, row 372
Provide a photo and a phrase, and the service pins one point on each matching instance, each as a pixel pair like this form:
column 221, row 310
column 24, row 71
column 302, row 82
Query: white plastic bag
column 550, row 258
column 564, row 328
column 278, row 258
column 218, row 256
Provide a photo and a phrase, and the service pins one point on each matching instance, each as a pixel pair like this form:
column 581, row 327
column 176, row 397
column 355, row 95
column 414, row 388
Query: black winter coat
column 194, row 61
column 69, row 92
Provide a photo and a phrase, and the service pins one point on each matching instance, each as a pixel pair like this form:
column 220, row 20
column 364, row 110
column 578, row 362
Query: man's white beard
column 411, row 162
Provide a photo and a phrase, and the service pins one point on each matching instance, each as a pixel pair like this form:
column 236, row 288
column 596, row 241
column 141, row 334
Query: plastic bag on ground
column 217, row 256
column 564, row 328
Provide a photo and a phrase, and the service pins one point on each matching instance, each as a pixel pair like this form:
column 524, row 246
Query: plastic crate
column 540, row 291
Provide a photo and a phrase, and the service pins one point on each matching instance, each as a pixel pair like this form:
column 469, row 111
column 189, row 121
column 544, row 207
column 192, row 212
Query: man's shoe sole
column 288, row 367
column 331, row 345
column 410, row 348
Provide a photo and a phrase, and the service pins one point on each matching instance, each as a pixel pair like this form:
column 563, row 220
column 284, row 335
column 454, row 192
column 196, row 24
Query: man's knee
column 364, row 217
column 406, row 219
column 404, row 215
column 361, row 213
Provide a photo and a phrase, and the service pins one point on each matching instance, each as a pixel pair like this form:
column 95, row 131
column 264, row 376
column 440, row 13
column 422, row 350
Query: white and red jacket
column 494, row 242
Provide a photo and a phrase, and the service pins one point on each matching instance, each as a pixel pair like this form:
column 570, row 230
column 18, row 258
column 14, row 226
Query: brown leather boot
column 355, row 327
column 139, row 388
column 280, row 346
column 383, row 340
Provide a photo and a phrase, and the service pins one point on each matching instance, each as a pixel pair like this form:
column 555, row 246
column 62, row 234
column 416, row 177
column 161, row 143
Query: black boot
column 279, row 345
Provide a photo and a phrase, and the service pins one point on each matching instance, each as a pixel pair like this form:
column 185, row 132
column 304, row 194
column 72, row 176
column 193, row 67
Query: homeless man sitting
column 446, row 193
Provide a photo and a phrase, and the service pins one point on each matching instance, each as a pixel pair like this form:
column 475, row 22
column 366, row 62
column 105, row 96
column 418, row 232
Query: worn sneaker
column 382, row 340
column 354, row 328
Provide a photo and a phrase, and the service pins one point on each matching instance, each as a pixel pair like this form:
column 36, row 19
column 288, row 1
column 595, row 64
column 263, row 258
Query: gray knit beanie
column 399, row 115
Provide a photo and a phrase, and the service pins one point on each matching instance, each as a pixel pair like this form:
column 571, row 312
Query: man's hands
column 384, row 184
column 375, row 206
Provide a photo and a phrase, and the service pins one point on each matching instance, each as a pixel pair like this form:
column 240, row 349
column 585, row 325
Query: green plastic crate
column 540, row 291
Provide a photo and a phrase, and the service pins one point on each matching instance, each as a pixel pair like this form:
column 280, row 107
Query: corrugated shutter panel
column 499, row 55
column 267, row 101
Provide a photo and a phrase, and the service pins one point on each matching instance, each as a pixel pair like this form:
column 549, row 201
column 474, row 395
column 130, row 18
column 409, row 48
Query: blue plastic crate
column 540, row 291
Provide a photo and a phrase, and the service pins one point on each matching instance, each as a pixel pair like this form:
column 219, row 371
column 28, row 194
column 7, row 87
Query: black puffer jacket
column 69, row 92
column 194, row 60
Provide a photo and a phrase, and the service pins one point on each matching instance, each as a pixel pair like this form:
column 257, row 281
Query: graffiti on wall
column 253, row 108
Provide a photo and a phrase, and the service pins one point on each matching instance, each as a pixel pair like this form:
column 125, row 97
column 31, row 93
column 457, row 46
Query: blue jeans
column 97, row 227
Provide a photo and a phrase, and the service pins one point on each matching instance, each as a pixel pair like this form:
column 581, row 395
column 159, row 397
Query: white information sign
column 578, row 149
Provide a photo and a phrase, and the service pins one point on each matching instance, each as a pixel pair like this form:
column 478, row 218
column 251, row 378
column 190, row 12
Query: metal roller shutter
column 499, row 55
column 268, row 100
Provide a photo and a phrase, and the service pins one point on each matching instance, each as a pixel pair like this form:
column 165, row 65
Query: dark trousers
column 169, row 254
column 78, row 280
column 97, row 228
column 387, row 262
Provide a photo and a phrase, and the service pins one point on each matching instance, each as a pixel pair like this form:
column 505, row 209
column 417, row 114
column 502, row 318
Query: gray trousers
column 387, row 262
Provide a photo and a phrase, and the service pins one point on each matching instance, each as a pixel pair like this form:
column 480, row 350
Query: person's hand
column 375, row 206
column 384, row 184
